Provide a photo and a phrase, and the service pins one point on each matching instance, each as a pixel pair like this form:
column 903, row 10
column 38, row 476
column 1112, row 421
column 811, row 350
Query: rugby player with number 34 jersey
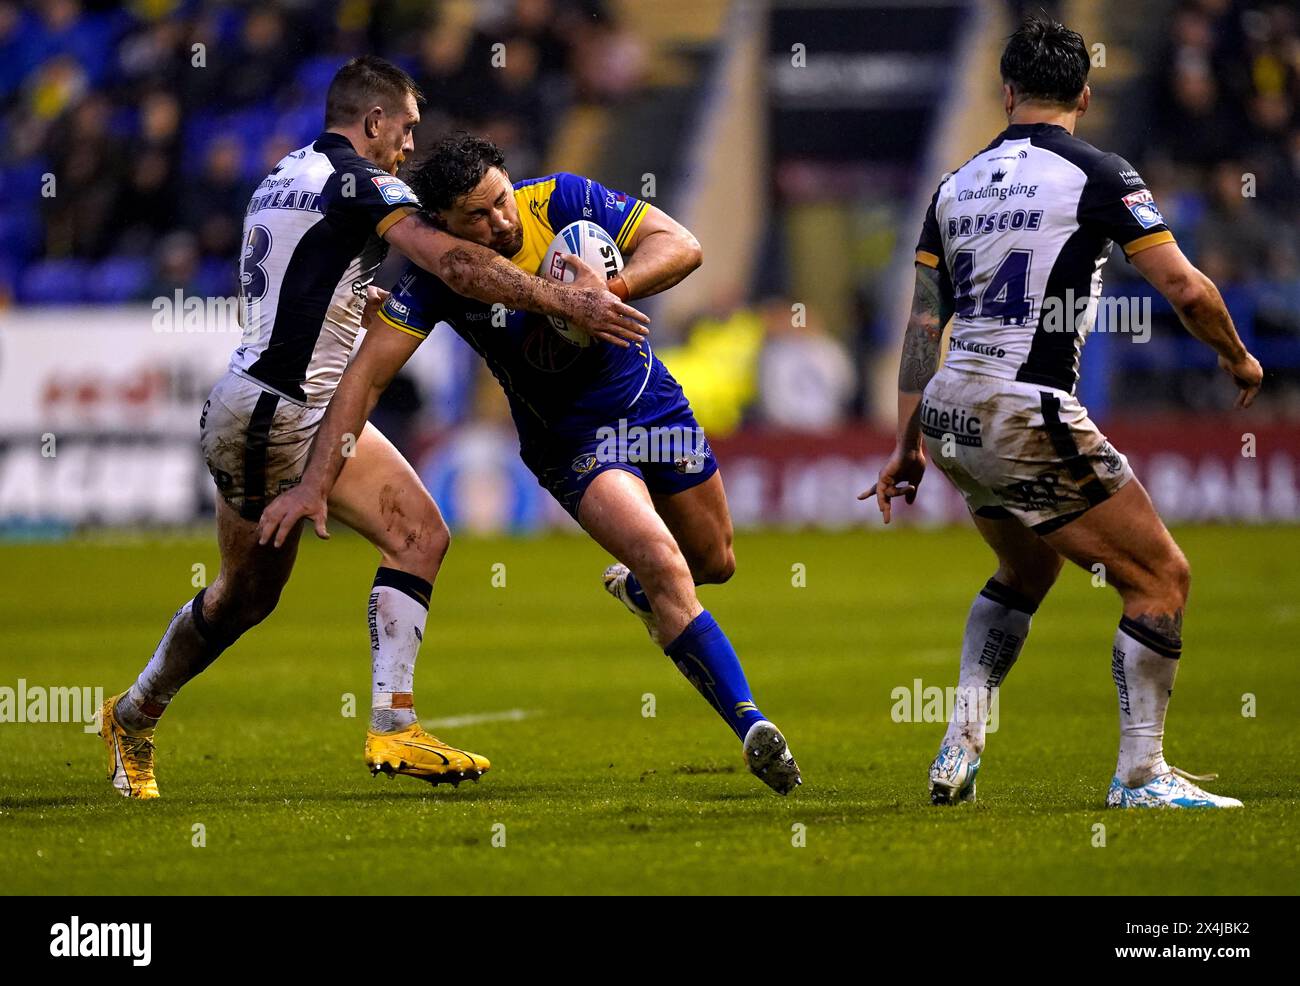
column 316, row 230
column 1012, row 250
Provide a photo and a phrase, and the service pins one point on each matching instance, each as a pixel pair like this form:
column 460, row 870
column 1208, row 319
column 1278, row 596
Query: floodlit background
column 800, row 141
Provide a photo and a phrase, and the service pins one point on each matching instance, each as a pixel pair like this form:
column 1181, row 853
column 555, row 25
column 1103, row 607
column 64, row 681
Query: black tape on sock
column 1170, row 647
column 1006, row 596
column 412, row 585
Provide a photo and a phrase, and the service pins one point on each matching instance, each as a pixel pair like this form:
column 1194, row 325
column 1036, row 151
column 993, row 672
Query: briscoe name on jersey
column 313, row 239
column 1019, row 234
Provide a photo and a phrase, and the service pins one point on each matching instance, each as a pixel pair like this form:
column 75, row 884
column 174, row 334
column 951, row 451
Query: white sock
column 188, row 646
column 995, row 633
column 399, row 607
column 1143, row 663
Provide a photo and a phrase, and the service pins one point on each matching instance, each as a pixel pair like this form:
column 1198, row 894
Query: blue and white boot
column 1171, row 789
column 952, row 776
column 615, row 579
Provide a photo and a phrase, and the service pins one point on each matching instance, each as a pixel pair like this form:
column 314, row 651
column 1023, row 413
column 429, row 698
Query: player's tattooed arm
column 477, row 272
column 931, row 308
column 924, row 331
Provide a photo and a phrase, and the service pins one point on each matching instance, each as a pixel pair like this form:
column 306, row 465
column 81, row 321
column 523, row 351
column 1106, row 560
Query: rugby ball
column 596, row 248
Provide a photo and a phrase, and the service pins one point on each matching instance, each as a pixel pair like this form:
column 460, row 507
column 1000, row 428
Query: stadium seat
column 119, row 279
column 50, row 282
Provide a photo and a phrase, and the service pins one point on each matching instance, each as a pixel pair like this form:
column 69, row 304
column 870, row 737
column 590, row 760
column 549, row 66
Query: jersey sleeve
column 1116, row 202
column 367, row 194
column 929, row 248
column 413, row 305
column 576, row 197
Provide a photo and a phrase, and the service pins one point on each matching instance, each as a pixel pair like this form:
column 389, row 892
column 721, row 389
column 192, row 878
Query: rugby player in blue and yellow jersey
column 605, row 429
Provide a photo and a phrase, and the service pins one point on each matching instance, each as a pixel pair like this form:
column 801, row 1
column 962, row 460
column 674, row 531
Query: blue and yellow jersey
column 554, row 386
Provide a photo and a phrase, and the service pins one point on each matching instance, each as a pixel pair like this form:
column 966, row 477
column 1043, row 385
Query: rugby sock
column 636, row 593
column 1143, row 663
column 399, row 607
column 188, row 646
column 705, row 656
column 995, row 633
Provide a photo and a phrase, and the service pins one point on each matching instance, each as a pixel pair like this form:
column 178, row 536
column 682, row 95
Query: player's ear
column 1085, row 98
column 1008, row 99
column 372, row 121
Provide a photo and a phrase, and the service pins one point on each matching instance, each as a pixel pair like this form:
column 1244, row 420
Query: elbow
column 454, row 268
column 692, row 252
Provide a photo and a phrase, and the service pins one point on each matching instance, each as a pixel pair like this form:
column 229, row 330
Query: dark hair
column 1045, row 60
column 363, row 82
column 453, row 168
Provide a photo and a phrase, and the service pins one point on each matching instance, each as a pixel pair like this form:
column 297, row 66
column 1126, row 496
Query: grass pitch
column 593, row 797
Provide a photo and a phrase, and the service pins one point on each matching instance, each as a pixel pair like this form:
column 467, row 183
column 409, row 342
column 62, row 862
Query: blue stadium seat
column 119, row 279
column 314, row 75
column 52, row 282
column 21, row 236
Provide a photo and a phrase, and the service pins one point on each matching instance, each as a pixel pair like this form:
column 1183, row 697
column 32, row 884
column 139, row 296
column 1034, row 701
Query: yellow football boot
column 130, row 755
column 415, row 753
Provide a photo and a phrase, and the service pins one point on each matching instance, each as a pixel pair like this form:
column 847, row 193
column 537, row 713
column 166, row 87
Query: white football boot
column 769, row 758
column 952, row 776
column 615, row 579
column 1171, row 789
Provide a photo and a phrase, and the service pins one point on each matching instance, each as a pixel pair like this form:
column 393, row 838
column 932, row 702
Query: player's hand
column 282, row 515
column 375, row 298
column 597, row 311
column 900, row 476
column 1247, row 374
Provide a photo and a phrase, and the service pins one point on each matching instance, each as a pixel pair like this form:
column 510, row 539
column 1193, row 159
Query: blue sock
column 636, row 593
column 705, row 656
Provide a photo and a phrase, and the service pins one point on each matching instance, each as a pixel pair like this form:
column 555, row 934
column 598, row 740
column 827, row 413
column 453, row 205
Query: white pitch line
column 474, row 718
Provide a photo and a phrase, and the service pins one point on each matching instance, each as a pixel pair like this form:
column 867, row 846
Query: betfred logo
column 557, row 268
column 393, row 190
column 1138, row 198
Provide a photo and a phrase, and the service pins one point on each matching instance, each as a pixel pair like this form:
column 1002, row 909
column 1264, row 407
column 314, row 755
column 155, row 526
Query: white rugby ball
column 598, row 251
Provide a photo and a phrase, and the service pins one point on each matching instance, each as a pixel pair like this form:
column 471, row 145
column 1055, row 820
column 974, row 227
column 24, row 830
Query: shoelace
column 139, row 750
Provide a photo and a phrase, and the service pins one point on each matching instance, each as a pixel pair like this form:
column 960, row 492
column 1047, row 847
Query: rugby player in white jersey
column 315, row 232
column 1012, row 249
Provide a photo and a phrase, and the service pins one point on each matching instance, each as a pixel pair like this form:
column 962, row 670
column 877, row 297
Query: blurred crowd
column 133, row 133
column 1222, row 157
column 1226, row 106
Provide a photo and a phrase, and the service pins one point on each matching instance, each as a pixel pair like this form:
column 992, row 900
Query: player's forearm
column 909, row 420
column 660, row 261
column 339, row 431
column 1201, row 309
column 476, row 272
column 484, row 275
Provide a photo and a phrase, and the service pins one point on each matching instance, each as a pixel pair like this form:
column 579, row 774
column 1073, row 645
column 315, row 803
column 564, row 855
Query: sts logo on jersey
column 394, row 190
column 1144, row 210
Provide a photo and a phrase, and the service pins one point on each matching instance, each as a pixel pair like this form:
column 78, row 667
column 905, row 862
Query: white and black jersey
column 313, row 239
column 1019, row 234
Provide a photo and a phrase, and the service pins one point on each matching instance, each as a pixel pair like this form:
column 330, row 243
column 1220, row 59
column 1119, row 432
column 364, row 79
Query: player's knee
column 1031, row 577
column 1177, row 578
column 233, row 613
column 718, row 567
column 420, row 543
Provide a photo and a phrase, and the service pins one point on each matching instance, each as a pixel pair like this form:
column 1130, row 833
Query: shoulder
column 1070, row 148
column 368, row 181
